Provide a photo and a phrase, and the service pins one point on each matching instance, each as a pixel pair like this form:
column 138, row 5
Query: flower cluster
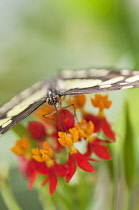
column 50, row 148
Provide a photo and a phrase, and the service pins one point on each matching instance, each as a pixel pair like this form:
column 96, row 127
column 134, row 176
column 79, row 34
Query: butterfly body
column 69, row 82
column 53, row 97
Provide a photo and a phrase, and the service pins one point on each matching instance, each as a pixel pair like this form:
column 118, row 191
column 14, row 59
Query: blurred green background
column 39, row 38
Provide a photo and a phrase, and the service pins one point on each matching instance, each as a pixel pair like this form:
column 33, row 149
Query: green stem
column 7, row 196
column 45, row 199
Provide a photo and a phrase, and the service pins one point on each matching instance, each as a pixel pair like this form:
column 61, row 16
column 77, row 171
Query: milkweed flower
column 75, row 157
column 49, row 149
column 97, row 146
column 100, row 121
column 85, row 128
column 37, row 130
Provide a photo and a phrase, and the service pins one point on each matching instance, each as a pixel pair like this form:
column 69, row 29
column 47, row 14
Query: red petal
column 101, row 151
column 40, row 167
column 89, row 151
column 67, row 120
column 32, row 175
column 92, row 159
column 53, row 182
column 94, row 119
column 106, row 127
column 32, row 178
column 71, row 167
column 61, row 170
column 83, row 163
column 37, row 130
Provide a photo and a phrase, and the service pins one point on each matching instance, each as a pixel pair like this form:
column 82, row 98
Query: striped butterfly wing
column 69, row 82
column 22, row 105
column 96, row 80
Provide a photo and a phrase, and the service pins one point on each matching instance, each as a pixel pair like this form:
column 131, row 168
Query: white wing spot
column 123, row 83
column 126, row 87
column 4, row 120
column 135, row 72
column 25, row 93
column 125, row 72
column 7, row 123
column 16, row 110
column 80, row 74
column 98, row 72
column 105, row 86
column 132, row 79
column 67, row 73
column 113, row 80
column 68, row 84
column 89, row 83
column 81, row 83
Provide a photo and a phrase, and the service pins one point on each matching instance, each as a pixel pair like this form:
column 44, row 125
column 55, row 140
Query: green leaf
column 128, row 150
column 20, row 130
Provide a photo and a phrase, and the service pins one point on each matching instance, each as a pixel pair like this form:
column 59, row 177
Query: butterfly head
column 53, row 98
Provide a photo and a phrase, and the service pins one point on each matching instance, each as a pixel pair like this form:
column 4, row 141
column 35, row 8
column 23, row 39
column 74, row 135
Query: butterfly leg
column 56, row 111
column 74, row 111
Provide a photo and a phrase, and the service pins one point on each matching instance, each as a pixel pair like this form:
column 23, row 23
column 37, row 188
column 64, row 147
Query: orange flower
column 67, row 139
column 44, row 110
column 42, row 155
column 21, row 146
column 101, row 102
column 85, row 128
column 78, row 101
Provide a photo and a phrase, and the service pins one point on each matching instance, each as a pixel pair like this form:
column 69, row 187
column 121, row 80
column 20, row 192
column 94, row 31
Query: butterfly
column 68, row 82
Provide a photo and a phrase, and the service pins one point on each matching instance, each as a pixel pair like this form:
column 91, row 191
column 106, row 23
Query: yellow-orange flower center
column 100, row 101
column 21, row 146
column 44, row 154
column 67, row 139
column 85, row 128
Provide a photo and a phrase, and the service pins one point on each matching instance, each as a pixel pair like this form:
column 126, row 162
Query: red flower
column 101, row 124
column 53, row 172
column 82, row 161
column 97, row 146
column 37, row 130
column 66, row 118
column 32, row 168
column 63, row 133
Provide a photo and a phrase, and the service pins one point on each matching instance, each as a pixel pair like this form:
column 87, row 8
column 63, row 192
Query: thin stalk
column 7, row 196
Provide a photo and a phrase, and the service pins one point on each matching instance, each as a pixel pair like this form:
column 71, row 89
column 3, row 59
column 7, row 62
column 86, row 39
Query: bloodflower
column 101, row 102
column 81, row 160
column 75, row 157
column 48, row 140
column 21, row 146
column 78, row 101
column 50, row 168
column 37, row 130
column 85, row 128
column 100, row 120
column 97, row 146
column 65, row 119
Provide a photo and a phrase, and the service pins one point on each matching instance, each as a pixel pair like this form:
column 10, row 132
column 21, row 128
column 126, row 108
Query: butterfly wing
column 17, row 115
column 96, row 80
column 26, row 97
column 69, row 82
column 22, row 105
